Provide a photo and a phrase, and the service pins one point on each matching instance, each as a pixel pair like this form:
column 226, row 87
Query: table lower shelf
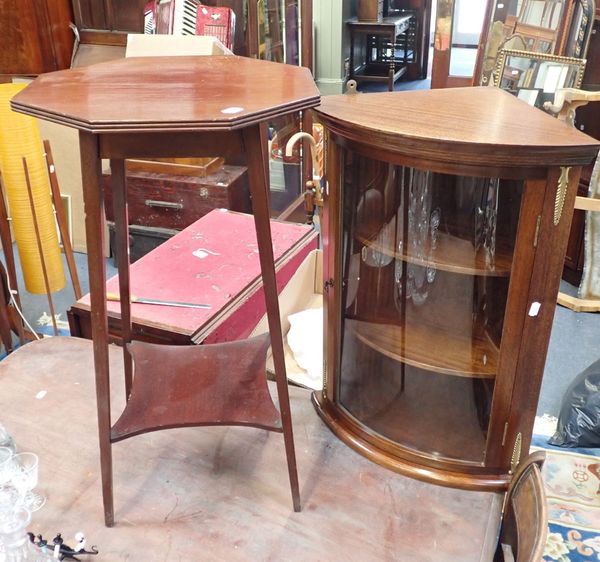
column 218, row 384
column 378, row 72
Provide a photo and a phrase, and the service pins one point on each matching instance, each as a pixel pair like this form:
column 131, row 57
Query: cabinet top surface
column 477, row 125
column 169, row 94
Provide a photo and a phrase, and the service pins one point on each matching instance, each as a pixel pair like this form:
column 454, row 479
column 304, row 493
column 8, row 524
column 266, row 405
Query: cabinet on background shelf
column 444, row 238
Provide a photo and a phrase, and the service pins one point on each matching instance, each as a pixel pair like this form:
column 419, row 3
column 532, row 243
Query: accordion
column 189, row 17
column 216, row 22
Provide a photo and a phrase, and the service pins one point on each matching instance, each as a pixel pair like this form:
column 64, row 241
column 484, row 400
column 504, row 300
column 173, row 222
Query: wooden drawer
column 175, row 202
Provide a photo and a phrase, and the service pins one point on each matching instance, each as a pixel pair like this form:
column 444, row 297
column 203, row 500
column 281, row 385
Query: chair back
column 525, row 518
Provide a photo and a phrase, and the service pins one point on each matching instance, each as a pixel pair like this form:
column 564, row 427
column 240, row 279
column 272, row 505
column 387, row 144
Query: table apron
column 227, row 144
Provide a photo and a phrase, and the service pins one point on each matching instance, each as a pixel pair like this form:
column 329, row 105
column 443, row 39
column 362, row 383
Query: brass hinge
column 537, row 231
column 504, row 434
column 516, row 454
column 561, row 193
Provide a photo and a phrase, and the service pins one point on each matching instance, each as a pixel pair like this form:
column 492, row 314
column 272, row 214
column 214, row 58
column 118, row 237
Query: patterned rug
column 572, row 481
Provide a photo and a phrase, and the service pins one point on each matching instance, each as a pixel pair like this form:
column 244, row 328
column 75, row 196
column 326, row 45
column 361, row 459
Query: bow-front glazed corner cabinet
column 445, row 226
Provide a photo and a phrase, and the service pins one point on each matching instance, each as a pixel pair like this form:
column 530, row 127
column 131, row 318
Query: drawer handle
column 163, row 204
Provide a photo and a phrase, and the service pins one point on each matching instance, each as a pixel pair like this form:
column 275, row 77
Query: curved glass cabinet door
column 426, row 263
column 444, row 224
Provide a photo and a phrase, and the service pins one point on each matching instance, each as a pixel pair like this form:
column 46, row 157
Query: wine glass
column 6, row 440
column 24, row 476
column 7, row 491
column 6, row 455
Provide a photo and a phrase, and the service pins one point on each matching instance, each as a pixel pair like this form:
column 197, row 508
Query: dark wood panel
column 90, row 14
column 588, row 116
column 128, row 15
column 110, row 15
column 35, row 36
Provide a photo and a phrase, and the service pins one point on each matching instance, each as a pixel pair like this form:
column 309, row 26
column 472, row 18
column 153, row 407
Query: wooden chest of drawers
column 159, row 203
column 168, row 201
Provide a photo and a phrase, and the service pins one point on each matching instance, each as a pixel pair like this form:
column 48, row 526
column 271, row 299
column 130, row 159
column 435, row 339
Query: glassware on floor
column 24, row 475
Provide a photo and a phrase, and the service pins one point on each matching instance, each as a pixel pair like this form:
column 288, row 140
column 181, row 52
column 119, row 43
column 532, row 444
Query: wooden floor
column 211, row 494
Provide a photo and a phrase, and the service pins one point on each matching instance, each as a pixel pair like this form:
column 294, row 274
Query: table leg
column 119, row 190
column 392, row 61
column 406, row 32
column 254, row 144
column 7, row 247
column 351, row 61
column 94, row 228
column 5, row 333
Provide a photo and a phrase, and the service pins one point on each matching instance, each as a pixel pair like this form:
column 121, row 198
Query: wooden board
column 222, row 493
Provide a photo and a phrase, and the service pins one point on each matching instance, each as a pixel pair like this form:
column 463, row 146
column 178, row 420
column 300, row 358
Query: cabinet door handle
column 163, row 204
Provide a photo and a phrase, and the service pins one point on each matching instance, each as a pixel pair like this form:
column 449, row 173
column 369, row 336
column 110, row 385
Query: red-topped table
column 175, row 107
column 214, row 260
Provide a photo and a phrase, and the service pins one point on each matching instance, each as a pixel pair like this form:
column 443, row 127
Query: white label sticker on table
column 232, row 110
column 534, row 308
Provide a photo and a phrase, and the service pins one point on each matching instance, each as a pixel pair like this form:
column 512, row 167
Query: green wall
column 331, row 43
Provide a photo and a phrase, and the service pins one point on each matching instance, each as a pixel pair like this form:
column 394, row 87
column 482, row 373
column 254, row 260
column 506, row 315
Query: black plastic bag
column 579, row 419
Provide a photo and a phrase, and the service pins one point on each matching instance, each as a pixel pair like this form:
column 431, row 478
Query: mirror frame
column 566, row 31
column 583, row 34
column 506, row 53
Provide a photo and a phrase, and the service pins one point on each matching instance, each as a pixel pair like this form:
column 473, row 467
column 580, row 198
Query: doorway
column 456, row 26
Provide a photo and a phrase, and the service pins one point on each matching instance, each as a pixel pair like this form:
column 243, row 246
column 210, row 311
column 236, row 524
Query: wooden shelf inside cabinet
column 430, row 348
column 452, row 254
column 452, row 406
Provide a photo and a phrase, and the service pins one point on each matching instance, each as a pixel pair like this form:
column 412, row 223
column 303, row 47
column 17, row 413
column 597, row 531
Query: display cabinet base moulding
column 445, row 225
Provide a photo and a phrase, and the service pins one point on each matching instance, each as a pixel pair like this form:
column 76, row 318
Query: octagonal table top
column 169, row 94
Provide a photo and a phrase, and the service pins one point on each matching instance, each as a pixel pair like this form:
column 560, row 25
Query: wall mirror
column 535, row 77
column 559, row 27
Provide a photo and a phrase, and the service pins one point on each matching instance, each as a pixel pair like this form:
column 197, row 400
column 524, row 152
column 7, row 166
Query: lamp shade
column 20, row 137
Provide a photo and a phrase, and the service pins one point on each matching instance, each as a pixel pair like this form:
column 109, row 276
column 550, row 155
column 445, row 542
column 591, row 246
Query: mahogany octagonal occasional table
column 176, row 107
